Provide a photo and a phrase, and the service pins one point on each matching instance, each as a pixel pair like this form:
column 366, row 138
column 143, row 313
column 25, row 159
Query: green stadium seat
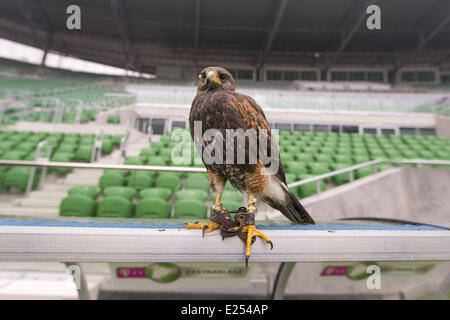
column 125, row 192
column 107, row 146
column 114, row 207
column 364, row 172
column 70, row 140
column 116, row 139
column 170, row 182
column 14, row 155
column 296, row 168
column 234, row 195
column 193, row 194
column 323, row 158
column 113, row 118
column 3, row 171
column 304, row 157
column 443, row 155
column 6, row 144
column 308, row 189
column 231, row 205
column 77, row 205
column 286, row 157
column 361, row 158
column 343, row 177
column 147, row 153
column 84, row 153
column 290, row 177
column 17, row 177
column 427, row 155
column 319, row 168
column 111, row 180
column 122, row 173
column 157, row 161
column 161, row 193
column 157, row 145
column 170, row 173
column 190, row 209
column 88, row 191
column 199, row 183
column 360, row 151
column 343, row 158
column 165, row 140
column 67, row 148
column 410, row 154
column 309, row 150
column 62, row 157
column 330, row 151
column 140, row 180
column 153, row 208
column 134, row 161
column 165, row 153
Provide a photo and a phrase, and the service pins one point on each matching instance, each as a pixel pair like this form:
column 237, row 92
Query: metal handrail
column 374, row 163
column 79, row 108
column 39, row 158
column 97, row 146
column 79, row 165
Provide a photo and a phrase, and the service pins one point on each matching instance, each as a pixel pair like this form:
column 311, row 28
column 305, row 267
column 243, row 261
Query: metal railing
column 80, row 165
column 374, row 163
column 317, row 179
column 39, row 158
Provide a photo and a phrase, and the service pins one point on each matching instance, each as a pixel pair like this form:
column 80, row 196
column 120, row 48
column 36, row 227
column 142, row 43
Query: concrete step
column 82, row 177
column 33, row 212
column 37, row 203
column 43, row 194
column 54, row 187
column 79, row 181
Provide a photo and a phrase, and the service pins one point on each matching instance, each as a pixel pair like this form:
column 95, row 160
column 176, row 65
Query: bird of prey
column 218, row 106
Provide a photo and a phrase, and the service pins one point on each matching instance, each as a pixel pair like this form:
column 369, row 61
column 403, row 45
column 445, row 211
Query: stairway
column 44, row 203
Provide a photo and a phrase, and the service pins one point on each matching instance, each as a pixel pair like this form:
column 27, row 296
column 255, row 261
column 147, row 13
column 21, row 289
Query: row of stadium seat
column 40, row 103
column 126, row 202
column 331, row 152
column 68, row 147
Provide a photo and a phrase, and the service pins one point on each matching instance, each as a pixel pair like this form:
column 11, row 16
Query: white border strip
column 171, row 245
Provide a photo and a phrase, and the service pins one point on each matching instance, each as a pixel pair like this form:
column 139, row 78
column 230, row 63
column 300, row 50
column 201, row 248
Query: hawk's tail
column 290, row 207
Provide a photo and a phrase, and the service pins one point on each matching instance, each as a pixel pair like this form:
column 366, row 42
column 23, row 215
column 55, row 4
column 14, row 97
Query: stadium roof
column 141, row 35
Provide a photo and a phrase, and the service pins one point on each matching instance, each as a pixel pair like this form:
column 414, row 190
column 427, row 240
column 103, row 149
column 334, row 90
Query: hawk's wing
column 232, row 110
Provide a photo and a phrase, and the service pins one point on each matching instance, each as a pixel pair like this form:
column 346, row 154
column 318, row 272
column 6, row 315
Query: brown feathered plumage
column 218, row 106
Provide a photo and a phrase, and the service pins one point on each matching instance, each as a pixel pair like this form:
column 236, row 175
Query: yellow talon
column 253, row 232
column 206, row 227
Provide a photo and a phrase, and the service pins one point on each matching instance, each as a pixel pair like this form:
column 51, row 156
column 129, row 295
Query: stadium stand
column 305, row 155
column 340, row 94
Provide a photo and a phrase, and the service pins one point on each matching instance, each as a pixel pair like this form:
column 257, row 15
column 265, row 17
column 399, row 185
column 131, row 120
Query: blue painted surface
column 146, row 225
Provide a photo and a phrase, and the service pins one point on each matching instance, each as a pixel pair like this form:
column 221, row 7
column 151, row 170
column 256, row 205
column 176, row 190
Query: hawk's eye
column 203, row 75
column 222, row 77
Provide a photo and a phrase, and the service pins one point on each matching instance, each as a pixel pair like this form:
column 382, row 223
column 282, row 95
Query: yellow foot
column 206, row 227
column 252, row 233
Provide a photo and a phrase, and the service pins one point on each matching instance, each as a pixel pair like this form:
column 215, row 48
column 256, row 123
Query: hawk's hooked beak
column 211, row 77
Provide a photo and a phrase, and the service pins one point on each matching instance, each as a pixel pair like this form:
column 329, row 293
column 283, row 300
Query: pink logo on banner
column 334, row 271
column 131, row 272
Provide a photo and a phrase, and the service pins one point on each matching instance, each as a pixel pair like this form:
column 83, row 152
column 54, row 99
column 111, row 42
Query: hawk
column 218, row 106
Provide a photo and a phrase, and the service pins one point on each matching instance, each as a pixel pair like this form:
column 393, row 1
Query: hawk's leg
column 248, row 228
column 219, row 217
